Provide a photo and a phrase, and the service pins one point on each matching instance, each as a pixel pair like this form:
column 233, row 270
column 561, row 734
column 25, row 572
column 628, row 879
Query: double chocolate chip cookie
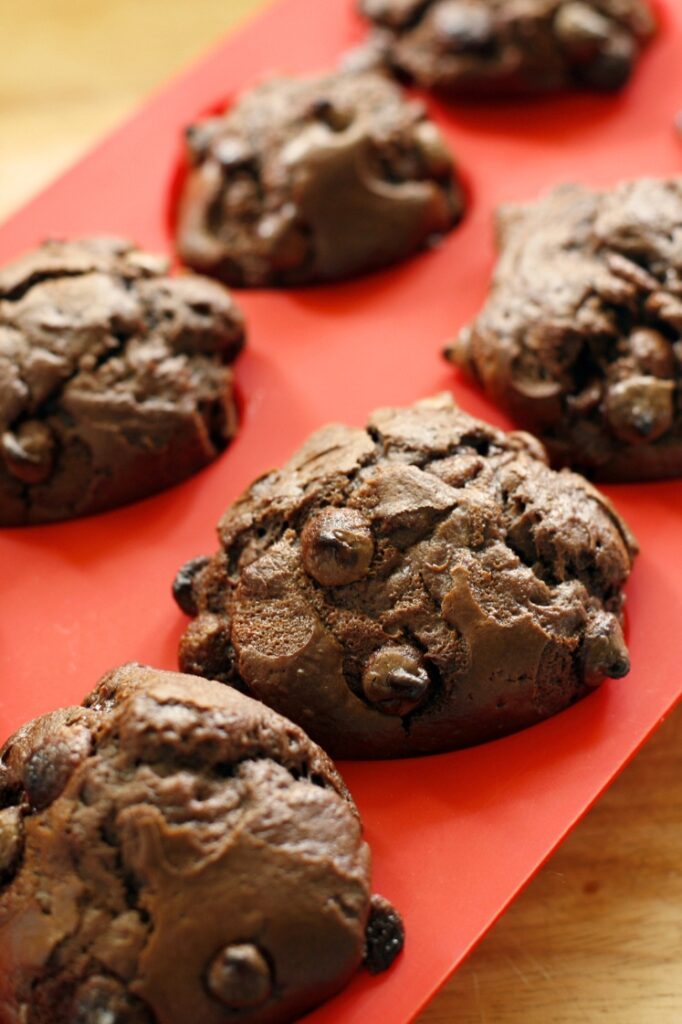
column 314, row 179
column 174, row 852
column 423, row 584
column 580, row 339
column 503, row 47
column 114, row 378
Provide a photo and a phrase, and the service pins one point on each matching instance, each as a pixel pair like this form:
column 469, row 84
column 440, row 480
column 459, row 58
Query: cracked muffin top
column 172, row 851
column 422, row 584
column 314, row 179
column 580, row 338
column 507, row 47
column 114, row 378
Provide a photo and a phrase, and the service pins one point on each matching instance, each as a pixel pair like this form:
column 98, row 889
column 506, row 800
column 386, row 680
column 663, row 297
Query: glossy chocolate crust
column 114, row 378
column 423, row 584
column 580, row 337
column 508, row 47
column 173, row 851
column 314, row 179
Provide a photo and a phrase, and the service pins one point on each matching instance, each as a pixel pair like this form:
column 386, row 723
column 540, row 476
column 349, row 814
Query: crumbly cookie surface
column 114, row 378
column 580, row 337
column 173, row 851
column 422, row 584
column 502, row 47
column 314, row 179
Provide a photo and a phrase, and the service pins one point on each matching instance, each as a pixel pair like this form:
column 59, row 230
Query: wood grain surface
column 597, row 936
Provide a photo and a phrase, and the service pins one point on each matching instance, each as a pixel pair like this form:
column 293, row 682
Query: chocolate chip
column 11, row 842
column 240, row 977
column 395, row 680
column 337, row 546
column 640, row 409
column 183, row 584
column 103, row 1000
column 29, row 452
column 384, row 936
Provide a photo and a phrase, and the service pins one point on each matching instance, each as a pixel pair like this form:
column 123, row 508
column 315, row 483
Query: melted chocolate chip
column 337, row 547
column 640, row 409
column 384, row 937
column 395, row 681
column 240, row 977
column 183, row 584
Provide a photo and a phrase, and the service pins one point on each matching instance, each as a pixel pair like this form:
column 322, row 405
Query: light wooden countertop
column 597, row 936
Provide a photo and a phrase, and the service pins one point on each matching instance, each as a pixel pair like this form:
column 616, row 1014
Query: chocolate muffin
column 173, row 851
column 580, row 337
column 314, row 179
column 503, row 47
column 114, row 378
column 423, row 584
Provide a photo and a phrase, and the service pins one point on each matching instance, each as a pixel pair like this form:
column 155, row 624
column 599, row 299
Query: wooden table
column 597, row 936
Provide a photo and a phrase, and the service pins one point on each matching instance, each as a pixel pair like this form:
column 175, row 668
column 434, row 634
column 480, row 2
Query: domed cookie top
column 421, row 585
column 503, row 47
column 173, row 851
column 580, row 338
column 114, row 378
column 314, row 179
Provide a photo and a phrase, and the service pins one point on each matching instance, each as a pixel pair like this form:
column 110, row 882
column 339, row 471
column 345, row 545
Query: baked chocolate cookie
column 580, row 337
column 173, row 851
column 314, row 179
column 424, row 584
column 114, row 378
column 507, row 47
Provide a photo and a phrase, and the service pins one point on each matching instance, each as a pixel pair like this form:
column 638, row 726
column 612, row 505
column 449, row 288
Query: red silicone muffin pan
column 455, row 836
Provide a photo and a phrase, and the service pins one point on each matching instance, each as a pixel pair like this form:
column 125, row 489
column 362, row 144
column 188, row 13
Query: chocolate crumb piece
column 384, row 937
column 314, row 179
column 580, row 339
column 115, row 378
column 420, row 585
column 191, row 856
column 502, row 47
